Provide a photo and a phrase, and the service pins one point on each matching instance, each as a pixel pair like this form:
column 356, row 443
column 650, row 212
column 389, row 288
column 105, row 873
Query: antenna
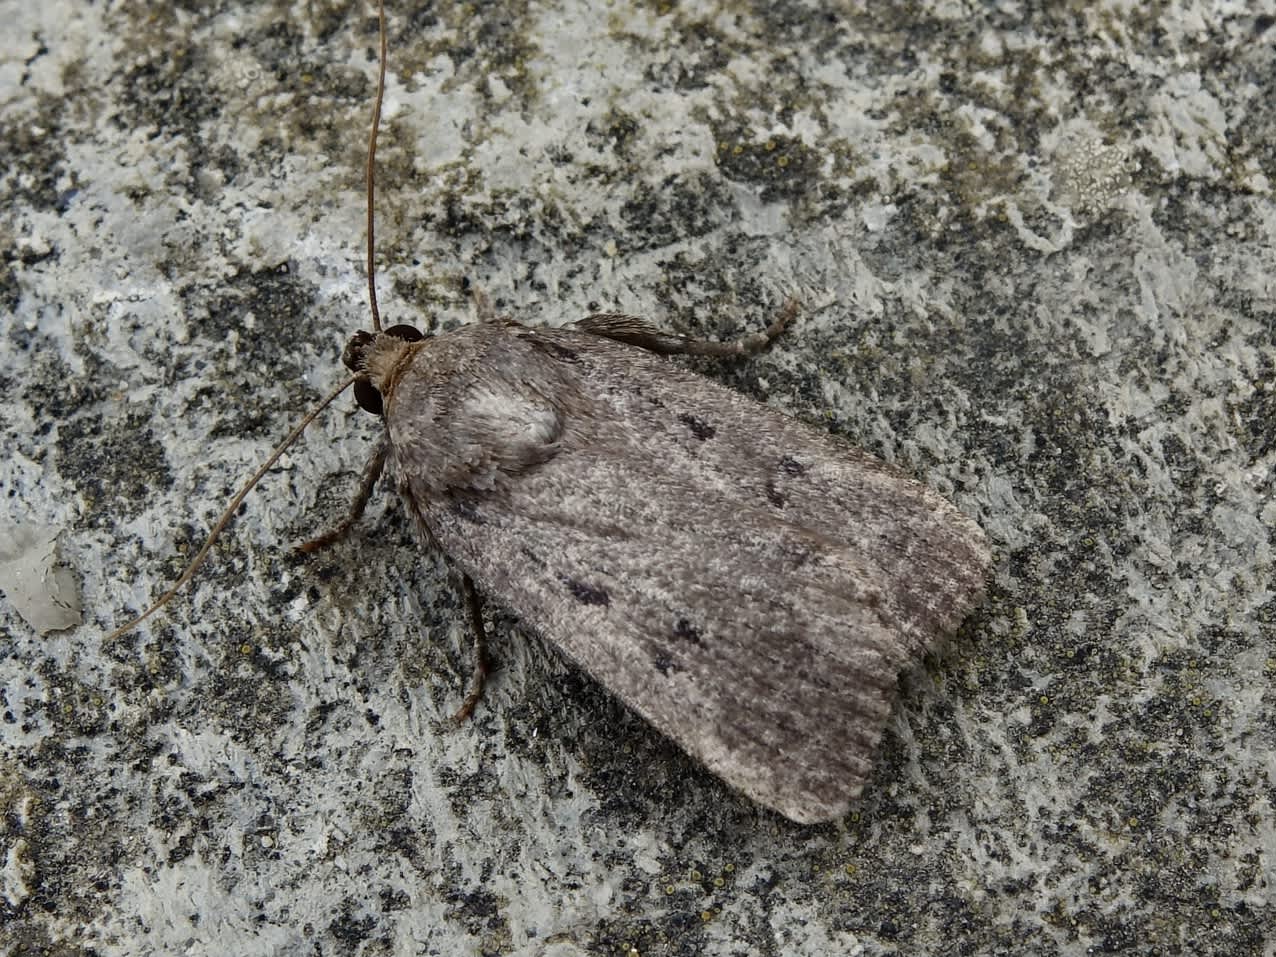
column 224, row 520
column 229, row 513
column 370, row 171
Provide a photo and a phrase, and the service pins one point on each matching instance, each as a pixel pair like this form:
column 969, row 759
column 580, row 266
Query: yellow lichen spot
column 729, row 869
column 719, row 882
column 696, row 875
column 737, row 150
column 782, row 162
column 770, row 145
column 849, row 870
column 669, row 889
column 706, row 915
column 1044, row 699
column 245, row 649
column 1132, row 822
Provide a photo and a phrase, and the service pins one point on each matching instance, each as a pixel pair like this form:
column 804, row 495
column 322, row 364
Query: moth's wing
column 748, row 584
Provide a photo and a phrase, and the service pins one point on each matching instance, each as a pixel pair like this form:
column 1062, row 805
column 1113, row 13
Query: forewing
column 748, row 584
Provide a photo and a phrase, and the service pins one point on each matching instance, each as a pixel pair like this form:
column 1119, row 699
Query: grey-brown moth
column 747, row 583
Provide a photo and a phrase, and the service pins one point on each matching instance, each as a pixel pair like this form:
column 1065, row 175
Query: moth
column 749, row 584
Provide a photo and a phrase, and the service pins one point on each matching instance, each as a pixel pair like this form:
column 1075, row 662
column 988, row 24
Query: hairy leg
column 642, row 333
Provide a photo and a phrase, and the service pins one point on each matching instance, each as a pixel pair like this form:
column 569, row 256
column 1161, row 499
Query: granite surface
column 1038, row 247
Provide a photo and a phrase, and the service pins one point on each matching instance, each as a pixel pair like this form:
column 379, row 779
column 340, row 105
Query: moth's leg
column 641, row 333
column 371, row 472
column 474, row 609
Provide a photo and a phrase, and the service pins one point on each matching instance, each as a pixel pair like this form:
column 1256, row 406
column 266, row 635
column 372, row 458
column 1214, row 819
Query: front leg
column 367, row 483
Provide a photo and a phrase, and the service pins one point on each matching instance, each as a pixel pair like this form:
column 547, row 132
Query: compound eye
column 366, row 394
column 353, row 354
column 405, row 332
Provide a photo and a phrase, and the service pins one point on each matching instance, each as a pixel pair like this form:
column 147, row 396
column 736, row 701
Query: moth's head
column 361, row 348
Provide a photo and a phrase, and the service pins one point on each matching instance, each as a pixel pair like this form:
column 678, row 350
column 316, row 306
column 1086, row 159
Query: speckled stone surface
column 1046, row 247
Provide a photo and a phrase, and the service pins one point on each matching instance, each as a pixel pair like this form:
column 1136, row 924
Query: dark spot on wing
column 686, row 631
column 792, row 466
column 663, row 663
column 699, row 427
column 795, row 554
column 652, row 400
column 775, row 496
column 587, row 594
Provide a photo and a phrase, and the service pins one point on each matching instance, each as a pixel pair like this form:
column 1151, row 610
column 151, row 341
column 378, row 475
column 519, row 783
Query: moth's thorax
column 386, row 360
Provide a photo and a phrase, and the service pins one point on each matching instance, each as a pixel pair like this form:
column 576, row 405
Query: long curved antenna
column 369, row 172
column 229, row 513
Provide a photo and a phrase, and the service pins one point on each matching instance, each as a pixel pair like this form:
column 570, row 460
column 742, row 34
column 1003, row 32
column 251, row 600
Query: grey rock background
column 1046, row 241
